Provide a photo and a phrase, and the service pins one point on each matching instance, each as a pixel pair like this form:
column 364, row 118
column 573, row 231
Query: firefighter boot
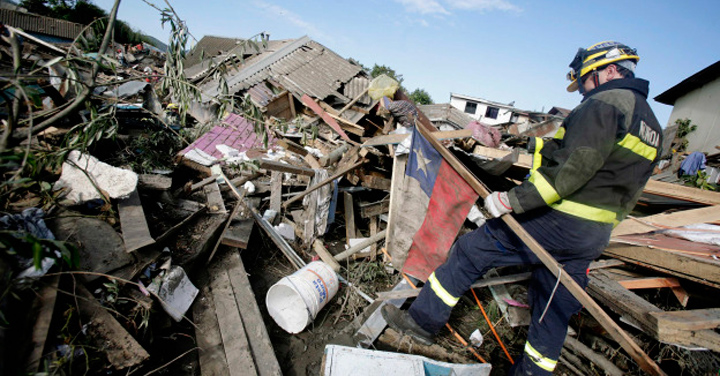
column 402, row 322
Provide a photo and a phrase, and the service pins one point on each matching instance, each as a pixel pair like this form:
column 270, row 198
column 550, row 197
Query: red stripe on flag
column 450, row 204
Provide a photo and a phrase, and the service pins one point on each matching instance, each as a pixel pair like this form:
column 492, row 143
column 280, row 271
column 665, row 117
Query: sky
column 500, row 50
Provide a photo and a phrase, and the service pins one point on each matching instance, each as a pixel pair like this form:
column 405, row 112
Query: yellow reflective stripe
column 635, row 145
column 547, row 192
column 560, row 134
column 440, row 291
column 586, row 211
column 537, row 358
column 537, row 157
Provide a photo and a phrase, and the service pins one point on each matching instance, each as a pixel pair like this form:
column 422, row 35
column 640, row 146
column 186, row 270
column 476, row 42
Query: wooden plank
column 391, row 139
column 325, row 255
column 376, row 182
column 627, row 343
column 352, row 102
column 349, row 210
column 360, row 246
column 106, row 333
column 155, row 182
column 329, row 120
column 42, row 309
column 265, row 361
column 238, row 234
column 291, row 146
column 373, row 231
column 276, row 179
column 649, row 283
column 207, row 334
column 658, row 282
column 699, row 269
column 396, row 187
column 230, row 218
column 215, row 203
column 135, row 231
column 639, row 312
column 682, row 192
column 694, row 319
column 373, row 209
column 235, row 342
column 676, row 219
column 284, row 167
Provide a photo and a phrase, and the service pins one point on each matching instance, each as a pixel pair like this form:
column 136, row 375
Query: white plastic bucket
column 294, row 301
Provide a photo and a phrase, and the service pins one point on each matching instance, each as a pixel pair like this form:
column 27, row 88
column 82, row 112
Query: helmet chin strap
column 595, row 78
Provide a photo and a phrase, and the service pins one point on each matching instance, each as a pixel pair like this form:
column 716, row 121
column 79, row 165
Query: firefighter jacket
column 599, row 160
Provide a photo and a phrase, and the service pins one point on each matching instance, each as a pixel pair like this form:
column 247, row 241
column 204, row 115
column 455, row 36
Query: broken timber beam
column 360, row 246
column 283, row 167
column 664, row 220
column 398, row 138
column 640, row 312
column 324, row 115
column 324, row 182
column 619, row 335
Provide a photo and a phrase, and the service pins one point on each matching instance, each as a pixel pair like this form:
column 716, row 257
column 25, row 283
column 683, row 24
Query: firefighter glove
column 497, row 204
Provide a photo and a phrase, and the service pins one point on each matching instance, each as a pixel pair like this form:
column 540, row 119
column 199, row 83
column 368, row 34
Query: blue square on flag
column 423, row 162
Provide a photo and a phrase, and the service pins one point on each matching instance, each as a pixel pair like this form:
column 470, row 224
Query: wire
column 560, row 270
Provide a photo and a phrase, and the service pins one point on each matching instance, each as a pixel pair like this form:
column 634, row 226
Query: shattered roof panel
column 239, row 133
column 34, row 23
column 302, row 66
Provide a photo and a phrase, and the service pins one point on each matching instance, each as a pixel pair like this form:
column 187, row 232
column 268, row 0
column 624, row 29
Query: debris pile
column 168, row 236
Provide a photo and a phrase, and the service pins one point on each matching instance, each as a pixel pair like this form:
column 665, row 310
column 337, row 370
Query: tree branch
column 87, row 90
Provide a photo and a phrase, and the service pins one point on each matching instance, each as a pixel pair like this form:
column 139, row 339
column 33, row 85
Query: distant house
column 445, row 117
column 695, row 98
column 489, row 112
column 48, row 29
column 560, row 112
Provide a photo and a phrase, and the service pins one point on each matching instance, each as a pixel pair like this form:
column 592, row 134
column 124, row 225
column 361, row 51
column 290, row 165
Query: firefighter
column 583, row 182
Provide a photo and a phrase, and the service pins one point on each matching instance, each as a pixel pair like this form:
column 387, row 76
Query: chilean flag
column 435, row 201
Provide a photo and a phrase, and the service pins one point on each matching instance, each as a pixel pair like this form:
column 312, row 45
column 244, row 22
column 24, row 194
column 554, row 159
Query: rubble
column 160, row 202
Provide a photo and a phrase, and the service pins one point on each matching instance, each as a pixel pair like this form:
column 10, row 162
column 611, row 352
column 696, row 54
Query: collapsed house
column 246, row 256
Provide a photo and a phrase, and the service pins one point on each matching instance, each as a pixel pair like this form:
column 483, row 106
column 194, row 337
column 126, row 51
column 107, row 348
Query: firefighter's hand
column 497, row 204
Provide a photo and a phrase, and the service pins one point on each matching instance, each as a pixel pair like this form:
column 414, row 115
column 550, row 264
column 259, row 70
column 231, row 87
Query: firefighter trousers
column 572, row 241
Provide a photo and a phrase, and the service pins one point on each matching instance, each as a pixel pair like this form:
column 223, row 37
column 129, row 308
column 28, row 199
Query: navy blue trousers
column 574, row 243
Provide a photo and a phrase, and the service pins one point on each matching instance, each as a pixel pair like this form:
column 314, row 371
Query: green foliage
column 699, row 180
column 685, row 127
column 154, row 150
column 420, row 96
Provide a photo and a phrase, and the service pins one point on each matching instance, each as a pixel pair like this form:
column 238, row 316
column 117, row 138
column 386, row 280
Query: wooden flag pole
column 619, row 335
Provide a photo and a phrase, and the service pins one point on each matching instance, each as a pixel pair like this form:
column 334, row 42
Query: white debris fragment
column 83, row 175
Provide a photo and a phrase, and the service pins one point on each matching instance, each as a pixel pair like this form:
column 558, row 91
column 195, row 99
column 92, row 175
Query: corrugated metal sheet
column 261, row 95
column 309, row 68
column 33, row 23
column 356, row 86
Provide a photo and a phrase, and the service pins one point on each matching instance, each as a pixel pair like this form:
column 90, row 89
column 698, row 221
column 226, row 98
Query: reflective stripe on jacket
column 599, row 161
